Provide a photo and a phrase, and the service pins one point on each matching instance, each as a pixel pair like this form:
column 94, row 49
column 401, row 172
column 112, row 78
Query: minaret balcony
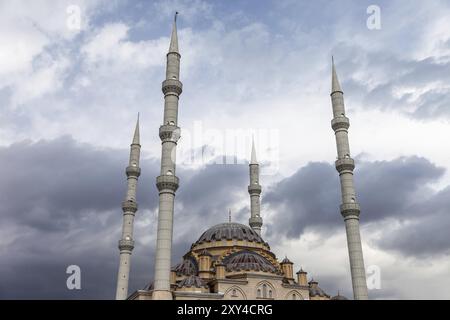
column 129, row 206
column 350, row 209
column 345, row 164
column 173, row 86
column 133, row 171
column 169, row 132
column 340, row 123
column 255, row 222
column 126, row 245
column 254, row 189
column 167, row 182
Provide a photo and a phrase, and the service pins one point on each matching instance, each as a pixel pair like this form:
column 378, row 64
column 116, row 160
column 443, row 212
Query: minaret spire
column 167, row 183
column 349, row 208
column 136, row 137
column 129, row 208
column 254, row 189
column 253, row 157
column 335, row 86
column 174, row 38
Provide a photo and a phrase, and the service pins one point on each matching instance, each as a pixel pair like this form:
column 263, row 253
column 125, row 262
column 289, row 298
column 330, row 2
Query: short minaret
column 302, row 277
column 254, row 189
column 129, row 207
column 167, row 183
column 287, row 268
column 349, row 208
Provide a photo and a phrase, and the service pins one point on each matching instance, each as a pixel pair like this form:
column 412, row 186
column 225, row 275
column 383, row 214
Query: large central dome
column 229, row 231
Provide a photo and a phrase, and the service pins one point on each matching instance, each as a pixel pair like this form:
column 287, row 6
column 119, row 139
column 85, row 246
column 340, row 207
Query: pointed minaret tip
column 174, row 38
column 335, row 86
column 253, row 157
column 136, row 138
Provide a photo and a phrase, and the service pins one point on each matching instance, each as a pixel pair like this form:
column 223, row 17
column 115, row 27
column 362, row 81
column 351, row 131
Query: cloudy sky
column 69, row 98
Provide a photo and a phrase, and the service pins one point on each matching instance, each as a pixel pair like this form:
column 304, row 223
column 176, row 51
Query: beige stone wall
column 273, row 285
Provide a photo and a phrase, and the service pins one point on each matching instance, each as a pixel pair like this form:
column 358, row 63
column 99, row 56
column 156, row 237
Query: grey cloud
column 310, row 197
column 393, row 74
column 206, row 196
column 426, row 234
column 51, row 222
column 61, row 206
column 396, row 189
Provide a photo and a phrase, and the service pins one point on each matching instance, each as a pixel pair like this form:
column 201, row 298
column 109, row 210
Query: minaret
column 254, row 189
column 129, row 207
column 349, row 208
column 167, row 182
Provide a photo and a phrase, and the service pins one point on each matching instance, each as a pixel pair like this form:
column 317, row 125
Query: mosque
column 229, row 260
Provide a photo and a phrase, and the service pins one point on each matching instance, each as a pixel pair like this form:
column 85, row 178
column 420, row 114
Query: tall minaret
column 129, row 207
column 349, row 208
column 167, row 182
column 254, row 189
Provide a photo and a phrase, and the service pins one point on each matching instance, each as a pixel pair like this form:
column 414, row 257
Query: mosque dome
column 339, row 297
column 315, row 290
column 230, row 231
column 248, row 260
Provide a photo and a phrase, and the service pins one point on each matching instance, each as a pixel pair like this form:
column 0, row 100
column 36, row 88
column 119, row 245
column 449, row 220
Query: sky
column 75, row 74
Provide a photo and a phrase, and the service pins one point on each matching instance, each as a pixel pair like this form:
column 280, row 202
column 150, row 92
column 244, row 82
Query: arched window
column 265, row 290
column 233, row 293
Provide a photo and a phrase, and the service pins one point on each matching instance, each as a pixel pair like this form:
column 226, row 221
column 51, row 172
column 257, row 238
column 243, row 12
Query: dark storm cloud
column 396, row 189
column 206, row 196
column 307, row 198
column 426, row 235
column 93, row 179
column 61, row 206
column 388, row 188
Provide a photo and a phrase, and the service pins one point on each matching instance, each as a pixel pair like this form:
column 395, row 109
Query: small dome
column 247, row 260
column 230, row 231
column 301, row 271
column 315, row 290
column 339, row 297
column 188, row 267
column 286, row 260
column 192, row 281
